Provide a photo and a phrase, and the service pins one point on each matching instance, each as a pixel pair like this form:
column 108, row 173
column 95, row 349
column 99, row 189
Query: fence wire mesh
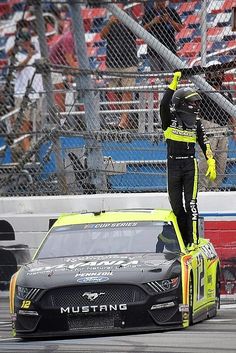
column 81, row 84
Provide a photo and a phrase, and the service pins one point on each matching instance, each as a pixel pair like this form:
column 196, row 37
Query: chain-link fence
column 82, row 84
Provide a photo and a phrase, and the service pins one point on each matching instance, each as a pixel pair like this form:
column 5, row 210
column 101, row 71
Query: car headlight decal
column 24, row 293
column 165, row 285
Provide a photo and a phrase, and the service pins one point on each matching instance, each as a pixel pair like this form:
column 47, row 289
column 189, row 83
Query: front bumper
column 147, row 314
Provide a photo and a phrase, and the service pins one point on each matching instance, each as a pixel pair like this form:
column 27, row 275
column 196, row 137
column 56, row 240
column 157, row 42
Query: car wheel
column 217, row 290
column 190, row 300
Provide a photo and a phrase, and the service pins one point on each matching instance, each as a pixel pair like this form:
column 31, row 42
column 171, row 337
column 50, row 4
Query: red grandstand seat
column 93, row 13
column 185, row 33
column 227, row 5
column 97, row 37
column 231, row 44
column 102, row 66
column 98, row 12
column 187, row 7
column 3, row 63
column 87, row 24
column 86, row 13
column 215, row 33
column 192, row 20
column 5, row 8
column 190, row 49
column 138, row 10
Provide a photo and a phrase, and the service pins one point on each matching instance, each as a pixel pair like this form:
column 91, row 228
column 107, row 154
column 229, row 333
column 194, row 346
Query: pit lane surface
column 216, row 335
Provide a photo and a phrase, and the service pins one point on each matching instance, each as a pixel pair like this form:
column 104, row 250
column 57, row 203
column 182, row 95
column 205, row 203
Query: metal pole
column 53, row 119
column 203, row 32
column 171, row 58
column 95, row 160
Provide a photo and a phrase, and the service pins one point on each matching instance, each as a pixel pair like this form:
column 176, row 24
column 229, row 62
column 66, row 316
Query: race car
column 108, row 272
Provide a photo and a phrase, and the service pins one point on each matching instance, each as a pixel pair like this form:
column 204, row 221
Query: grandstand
column 137, row 156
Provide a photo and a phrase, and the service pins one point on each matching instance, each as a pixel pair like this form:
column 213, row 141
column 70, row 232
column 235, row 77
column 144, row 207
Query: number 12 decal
column 200, row 277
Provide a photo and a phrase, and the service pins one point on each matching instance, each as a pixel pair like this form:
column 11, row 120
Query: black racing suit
column 182, row 167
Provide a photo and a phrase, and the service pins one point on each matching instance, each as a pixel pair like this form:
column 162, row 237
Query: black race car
column 114, row 272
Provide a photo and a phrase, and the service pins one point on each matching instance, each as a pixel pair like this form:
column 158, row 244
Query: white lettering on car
column 93, row 308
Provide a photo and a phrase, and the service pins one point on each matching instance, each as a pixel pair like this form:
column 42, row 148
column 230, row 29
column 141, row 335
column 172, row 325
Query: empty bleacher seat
column 227, row 5
column 185, row 35
column 222, row 20
column 218, row 45
column 5, row 8
column 188, row 8
column 192, row 21
column 228, row 34
column 214, row 6
column 216, row 33
column 190, row 49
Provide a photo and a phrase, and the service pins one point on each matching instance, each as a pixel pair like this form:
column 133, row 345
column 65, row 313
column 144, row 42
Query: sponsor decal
column 185, row 316
column 92, row 309
column 93, row 274
column 92, row 296
column 194, row 211
column 209, row 251
column 96, row 257
column 25, row 304
column 92, row 279
column 209, row 279
column 110, row 225
column 184, row 308
column 81, row 264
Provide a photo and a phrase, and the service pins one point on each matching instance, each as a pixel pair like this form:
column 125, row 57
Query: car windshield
column 109, row 238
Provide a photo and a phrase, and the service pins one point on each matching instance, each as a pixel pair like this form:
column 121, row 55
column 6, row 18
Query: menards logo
column 92, row 308
column 73, row 266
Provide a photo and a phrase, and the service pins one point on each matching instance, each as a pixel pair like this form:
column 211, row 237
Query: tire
column 217, row 289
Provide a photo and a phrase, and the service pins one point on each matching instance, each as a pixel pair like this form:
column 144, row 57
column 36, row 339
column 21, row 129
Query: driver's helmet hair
column 167, row 239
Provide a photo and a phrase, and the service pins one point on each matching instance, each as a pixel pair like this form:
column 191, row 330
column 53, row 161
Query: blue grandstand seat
column 93, row 63
column 218, row 45
column 101, row 51
column 3, row 54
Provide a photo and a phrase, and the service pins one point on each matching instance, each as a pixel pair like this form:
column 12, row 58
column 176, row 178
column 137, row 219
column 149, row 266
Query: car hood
column 135, row 268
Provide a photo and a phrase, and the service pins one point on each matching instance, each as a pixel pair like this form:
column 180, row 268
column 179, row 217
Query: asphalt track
column 217, row 335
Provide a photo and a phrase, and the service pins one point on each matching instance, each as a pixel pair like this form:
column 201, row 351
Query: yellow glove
column 211, row 170
column 174, row 83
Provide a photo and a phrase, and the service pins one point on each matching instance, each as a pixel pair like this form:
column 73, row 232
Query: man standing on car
column 182, row 129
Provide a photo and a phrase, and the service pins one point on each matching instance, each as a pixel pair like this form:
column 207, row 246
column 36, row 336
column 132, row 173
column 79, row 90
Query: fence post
column 85, row 87
column 53, row 118
column 203, row 32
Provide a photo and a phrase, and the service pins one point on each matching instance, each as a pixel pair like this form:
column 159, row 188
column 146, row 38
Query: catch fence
column 82, row 85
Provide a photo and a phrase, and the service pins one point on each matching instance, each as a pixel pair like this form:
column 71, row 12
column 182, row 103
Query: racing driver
column 182, row 128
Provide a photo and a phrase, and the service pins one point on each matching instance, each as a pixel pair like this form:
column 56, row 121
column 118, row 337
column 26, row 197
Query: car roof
column 116, row 216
